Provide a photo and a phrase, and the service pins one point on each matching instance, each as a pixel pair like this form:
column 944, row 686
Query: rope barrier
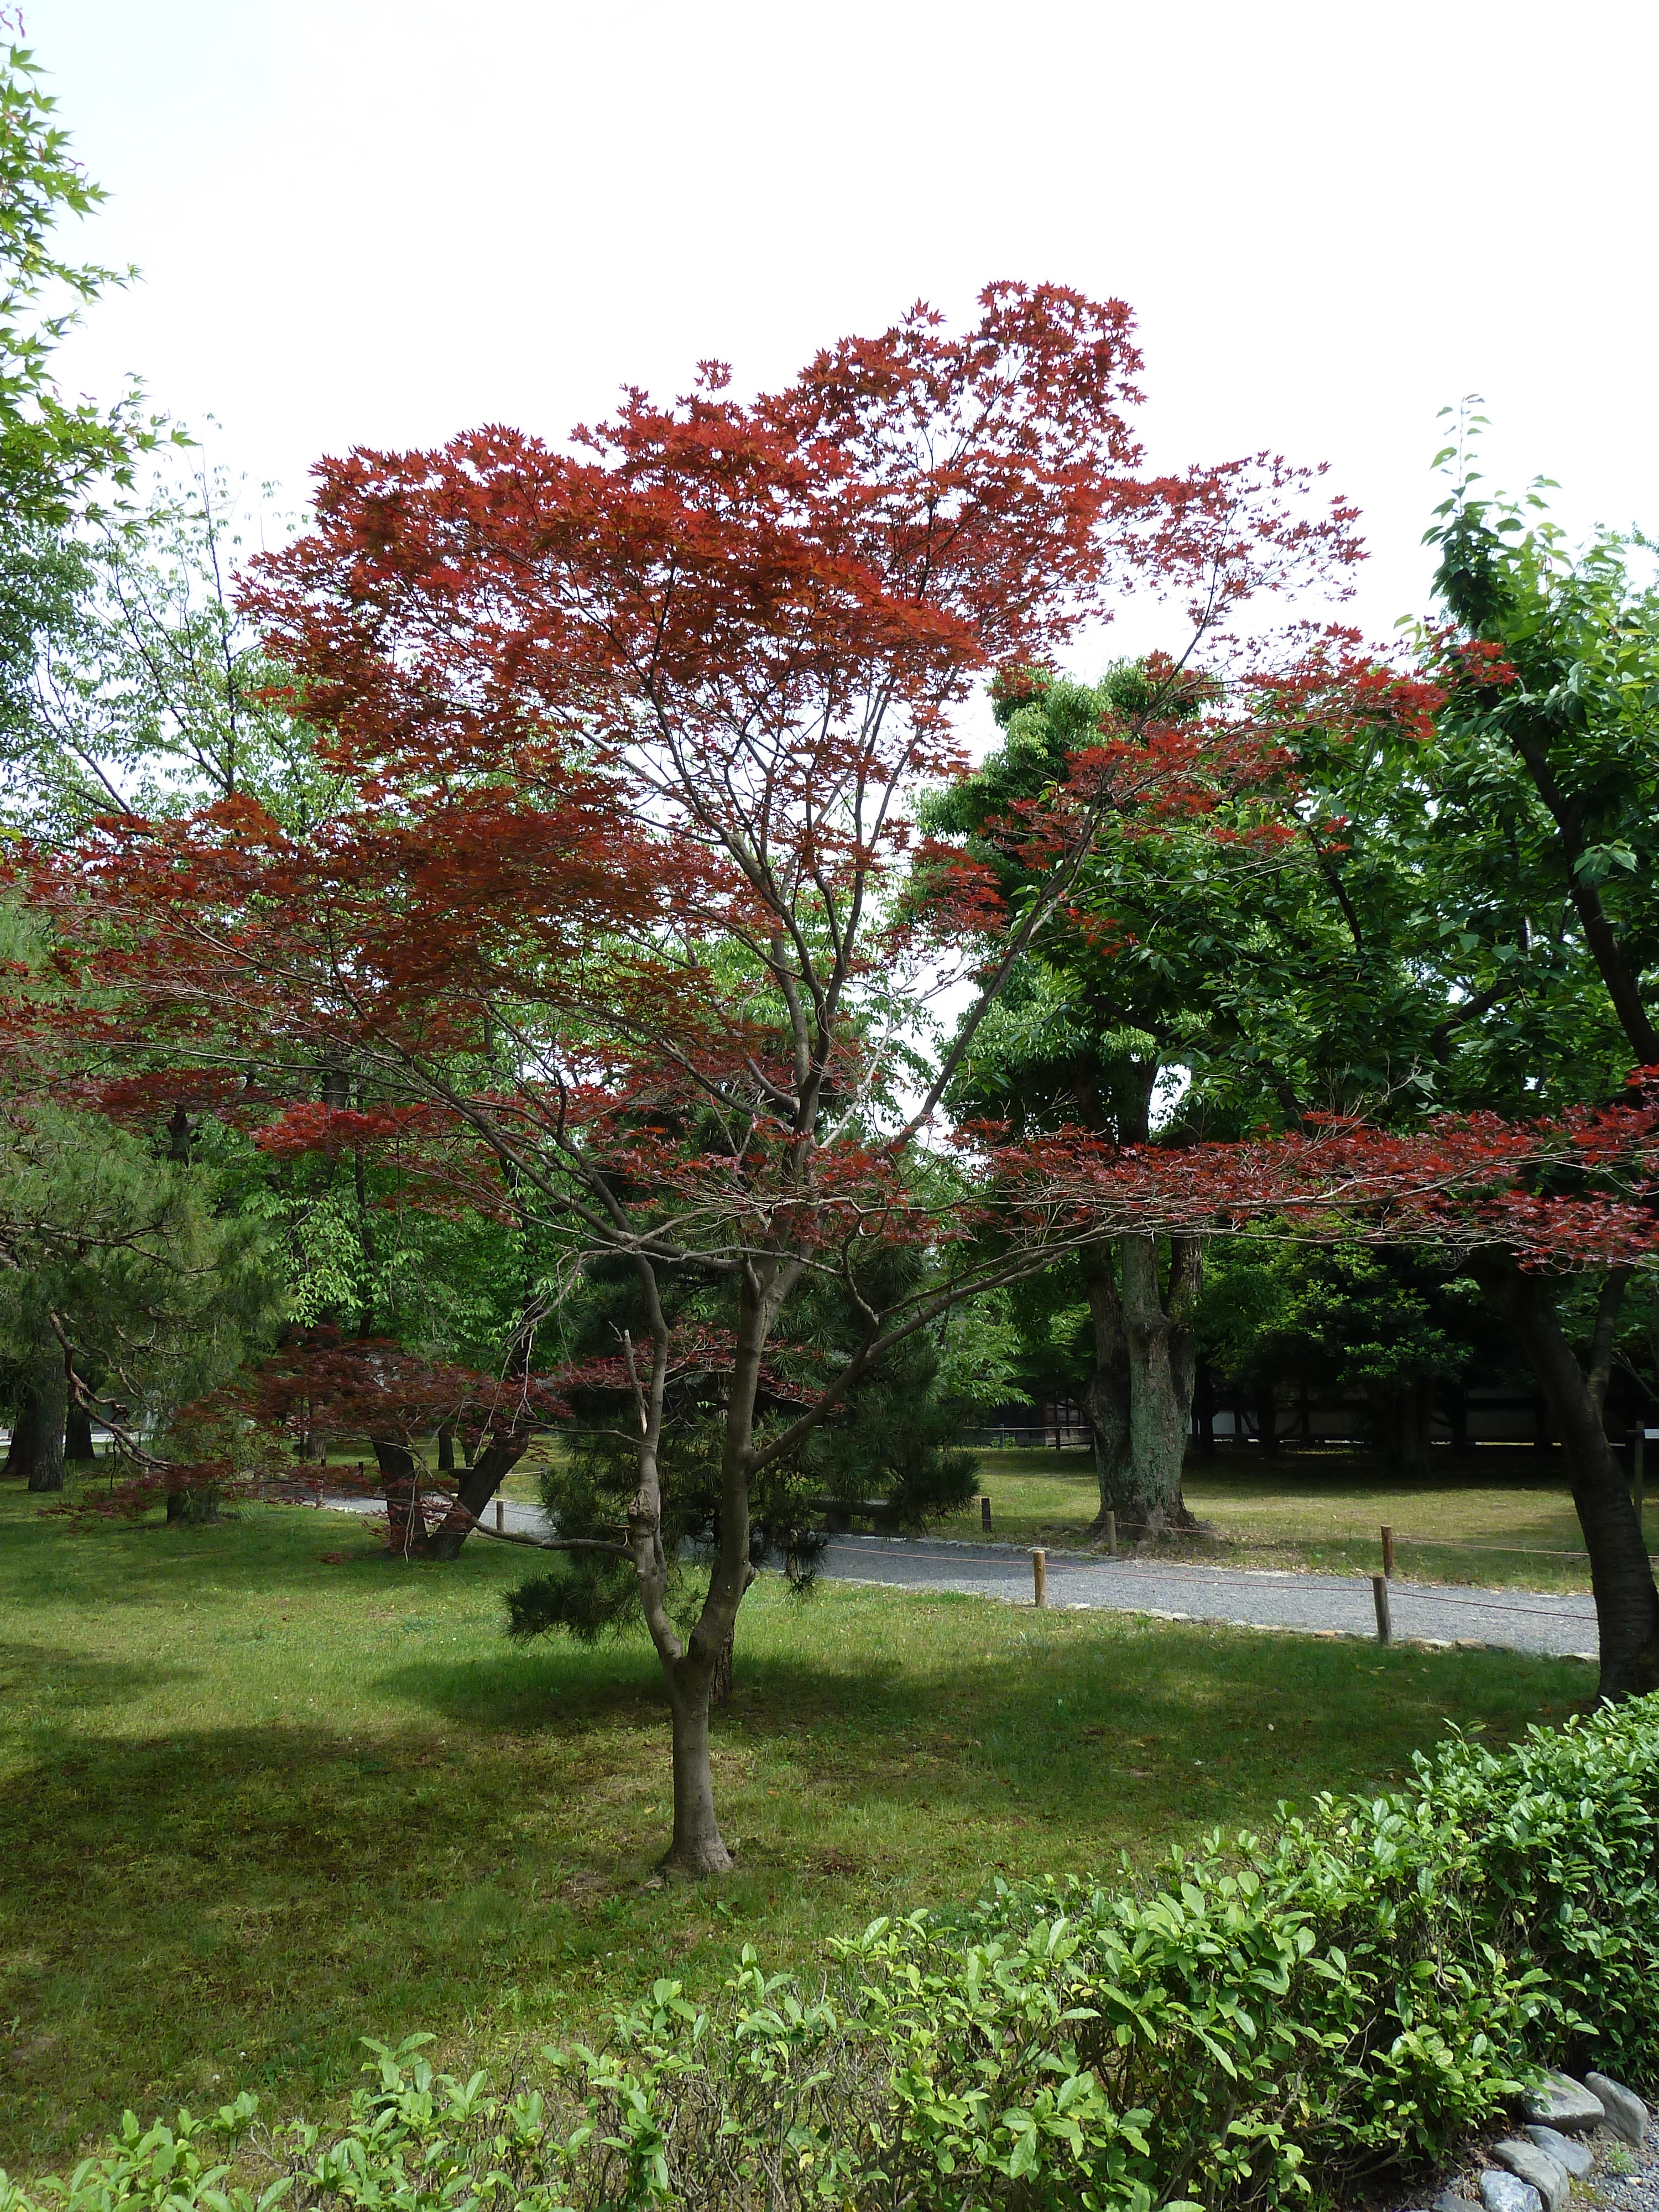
column 1070, row 1561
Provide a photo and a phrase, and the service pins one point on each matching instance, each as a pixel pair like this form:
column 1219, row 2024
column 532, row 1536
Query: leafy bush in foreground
column 1279, row 2021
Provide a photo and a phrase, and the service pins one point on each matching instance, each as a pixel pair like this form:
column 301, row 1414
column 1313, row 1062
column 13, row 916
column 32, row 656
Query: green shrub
column 1276, row 2022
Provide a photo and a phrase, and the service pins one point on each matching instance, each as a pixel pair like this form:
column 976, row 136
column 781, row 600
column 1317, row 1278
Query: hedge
column 1270, row 2022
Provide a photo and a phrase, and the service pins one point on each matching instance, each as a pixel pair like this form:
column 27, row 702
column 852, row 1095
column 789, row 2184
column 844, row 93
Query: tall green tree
column 1202, row 972
column 1546, row 800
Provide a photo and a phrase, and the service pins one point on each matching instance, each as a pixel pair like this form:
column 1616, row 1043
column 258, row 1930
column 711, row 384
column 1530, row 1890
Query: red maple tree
column 609, row 931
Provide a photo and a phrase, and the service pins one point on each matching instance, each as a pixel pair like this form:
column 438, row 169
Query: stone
column 1627, row 2115
column 1507, row 2192
column 1566, row 2150
column 1449, row 2200
column 1561, row 2102
column 1537, row 2166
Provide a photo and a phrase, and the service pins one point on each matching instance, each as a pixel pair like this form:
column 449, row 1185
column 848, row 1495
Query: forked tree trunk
column 473, row 1493
column 1621, row 1573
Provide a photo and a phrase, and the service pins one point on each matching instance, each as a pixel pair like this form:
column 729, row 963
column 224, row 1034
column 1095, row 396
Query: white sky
column 362, row 221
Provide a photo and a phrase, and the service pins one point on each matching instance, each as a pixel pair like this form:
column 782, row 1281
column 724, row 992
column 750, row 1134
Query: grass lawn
column 1323, row 1510
column 263, row 1790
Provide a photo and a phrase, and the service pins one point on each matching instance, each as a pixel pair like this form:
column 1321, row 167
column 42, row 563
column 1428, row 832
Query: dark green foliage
column 890, row 1447
column 159, row 1296
column 1347, row 1320
column 1279, row 2022
column 588, row 1600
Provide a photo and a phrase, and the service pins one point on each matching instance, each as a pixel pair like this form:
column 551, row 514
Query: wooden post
column 1380, row 1598
column 1040, row 1577
column 1111, row 1531
column 985, row 1515
column 501, row 1517
column 1387, row 1554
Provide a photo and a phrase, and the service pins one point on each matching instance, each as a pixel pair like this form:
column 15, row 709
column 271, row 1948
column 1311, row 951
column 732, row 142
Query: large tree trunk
column 1621, row 1574
column 49, row 1400
column 1140, row 1398
column 1161, row 1369
column 1106, row 1392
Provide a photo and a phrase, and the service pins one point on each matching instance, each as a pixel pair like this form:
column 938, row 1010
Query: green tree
column 138, row 688
column 889, row 1448
column 122, row 1291
column 1221, row 963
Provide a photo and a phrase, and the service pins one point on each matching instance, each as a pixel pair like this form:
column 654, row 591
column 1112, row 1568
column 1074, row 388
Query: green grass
column 263, row 1790
column 1322, row 1510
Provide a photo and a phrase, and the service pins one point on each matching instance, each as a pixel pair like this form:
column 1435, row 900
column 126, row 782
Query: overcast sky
column 378, row 223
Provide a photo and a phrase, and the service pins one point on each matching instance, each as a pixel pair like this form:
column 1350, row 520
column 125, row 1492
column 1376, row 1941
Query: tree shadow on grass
column 27, row 1669
column 1133, row 1725
column 244, row 1903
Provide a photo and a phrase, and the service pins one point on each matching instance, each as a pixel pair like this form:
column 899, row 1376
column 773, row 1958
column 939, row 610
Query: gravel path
column 1520, row 1620
column 1638, row 2190
column 1516, row 1620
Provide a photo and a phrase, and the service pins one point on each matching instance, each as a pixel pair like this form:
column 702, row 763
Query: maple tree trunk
column 1621, row 1573
column 477, row 1486
column 405, row 1521
column 698, row 1847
